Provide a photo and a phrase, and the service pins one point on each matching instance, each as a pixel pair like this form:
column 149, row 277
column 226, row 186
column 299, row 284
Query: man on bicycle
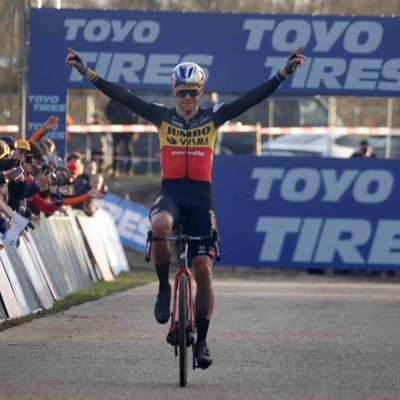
column 187, row 136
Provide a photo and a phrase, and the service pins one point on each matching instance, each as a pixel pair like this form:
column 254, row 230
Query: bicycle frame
column 187, row 331
column 183, row 269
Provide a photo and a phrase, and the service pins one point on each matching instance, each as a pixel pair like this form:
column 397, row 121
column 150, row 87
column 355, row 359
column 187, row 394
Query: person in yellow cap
column 23, row 146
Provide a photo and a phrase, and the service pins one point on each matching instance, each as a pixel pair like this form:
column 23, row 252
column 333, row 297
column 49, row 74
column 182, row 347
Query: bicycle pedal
column 172, row 339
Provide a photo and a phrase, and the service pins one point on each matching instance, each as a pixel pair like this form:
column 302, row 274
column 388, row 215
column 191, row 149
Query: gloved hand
column 56, row 198
column 73, row 60
column 294, row 61
column 80, row 65
column 290, row 67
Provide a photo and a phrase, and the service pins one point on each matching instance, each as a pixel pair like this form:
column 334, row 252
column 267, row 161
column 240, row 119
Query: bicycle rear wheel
column 182, row 324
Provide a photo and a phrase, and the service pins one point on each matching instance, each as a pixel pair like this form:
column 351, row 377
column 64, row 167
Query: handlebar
column 181, row 238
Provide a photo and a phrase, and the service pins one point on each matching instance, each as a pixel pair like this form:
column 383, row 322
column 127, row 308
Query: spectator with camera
column 8, row 165
column 51, row 199
column 17, row 188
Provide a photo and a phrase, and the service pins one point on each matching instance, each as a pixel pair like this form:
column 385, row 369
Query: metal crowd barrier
column 63, row 254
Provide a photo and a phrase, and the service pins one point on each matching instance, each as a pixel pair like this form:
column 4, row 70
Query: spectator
column 90, row 168
column 4, row 149
column 77, row 159
column 51, row 199
column 18, row 187
column 52, row 160
column 47, row 198
column 123, row 143
column 101, row 143
column 4, row 223
column 50, row 124
column 63, row 180
column 74, row 168
column 93, row 182
column 82, row 181
column 12, row 144
column 364, row 150
column 4, row 193
column 23, row 148
column 51, row 146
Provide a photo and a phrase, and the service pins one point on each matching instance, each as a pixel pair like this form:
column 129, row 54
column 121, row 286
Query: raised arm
column 110, row 89
column 48, row 125
column 261, row 92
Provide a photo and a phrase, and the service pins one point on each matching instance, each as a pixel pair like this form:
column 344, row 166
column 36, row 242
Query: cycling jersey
column 187, row 147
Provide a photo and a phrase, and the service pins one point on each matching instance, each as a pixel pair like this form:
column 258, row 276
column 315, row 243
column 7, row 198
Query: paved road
column 278, row 337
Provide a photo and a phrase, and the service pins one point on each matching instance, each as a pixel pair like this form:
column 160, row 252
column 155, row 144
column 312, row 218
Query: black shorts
column 192, row 200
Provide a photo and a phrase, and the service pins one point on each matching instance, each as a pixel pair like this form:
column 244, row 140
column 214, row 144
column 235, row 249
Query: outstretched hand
column 94, row 194
column 73, row 60
column 51, row 123
column 295, row 60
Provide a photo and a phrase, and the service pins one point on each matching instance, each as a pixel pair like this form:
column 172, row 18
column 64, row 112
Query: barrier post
column 258, row 139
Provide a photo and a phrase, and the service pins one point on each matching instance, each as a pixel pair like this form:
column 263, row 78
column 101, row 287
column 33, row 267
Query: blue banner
column 308, row 212
column 346, row 55
column 132, row 221
column 138, row 49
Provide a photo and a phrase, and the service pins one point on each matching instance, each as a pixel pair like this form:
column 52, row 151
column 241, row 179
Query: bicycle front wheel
column 182, row 326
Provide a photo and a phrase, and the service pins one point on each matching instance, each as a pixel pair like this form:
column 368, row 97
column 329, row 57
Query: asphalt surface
column 271, row 337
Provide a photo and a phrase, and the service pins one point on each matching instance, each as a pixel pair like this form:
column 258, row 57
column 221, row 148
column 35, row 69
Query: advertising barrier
column 53, row 261
column 131, row 220
column 308, row 212
column 347, row 55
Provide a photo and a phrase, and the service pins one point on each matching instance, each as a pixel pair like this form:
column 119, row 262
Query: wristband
column 93, row 77
column 280, row 77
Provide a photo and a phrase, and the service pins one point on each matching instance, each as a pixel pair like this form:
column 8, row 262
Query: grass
column 126, row 280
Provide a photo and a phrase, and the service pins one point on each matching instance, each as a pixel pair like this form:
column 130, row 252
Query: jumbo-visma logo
column 198, row 137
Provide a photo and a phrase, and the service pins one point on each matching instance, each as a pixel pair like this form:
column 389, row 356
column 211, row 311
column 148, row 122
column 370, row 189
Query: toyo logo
column 304, row 184
column 327, row 240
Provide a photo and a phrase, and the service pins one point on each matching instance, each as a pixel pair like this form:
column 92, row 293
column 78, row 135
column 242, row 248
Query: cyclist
column 187, row 136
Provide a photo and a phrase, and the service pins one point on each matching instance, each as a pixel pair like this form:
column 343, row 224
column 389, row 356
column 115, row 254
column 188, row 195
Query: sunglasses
column 191, row 92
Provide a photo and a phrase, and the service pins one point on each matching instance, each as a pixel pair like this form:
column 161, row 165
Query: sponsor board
column 132, row 221
column 138, row 49
column 308, row 213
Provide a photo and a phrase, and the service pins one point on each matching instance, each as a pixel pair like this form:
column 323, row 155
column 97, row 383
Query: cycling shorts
column 193, row 201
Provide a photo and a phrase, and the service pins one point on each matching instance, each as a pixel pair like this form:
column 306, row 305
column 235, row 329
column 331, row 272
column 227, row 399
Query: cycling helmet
column 187, row 74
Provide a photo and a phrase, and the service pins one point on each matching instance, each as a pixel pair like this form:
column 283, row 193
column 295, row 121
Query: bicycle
column 183, row 328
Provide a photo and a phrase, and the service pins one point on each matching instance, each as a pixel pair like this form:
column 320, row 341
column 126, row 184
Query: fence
column 373, row 118
column 351, row 111
column 63, row 254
